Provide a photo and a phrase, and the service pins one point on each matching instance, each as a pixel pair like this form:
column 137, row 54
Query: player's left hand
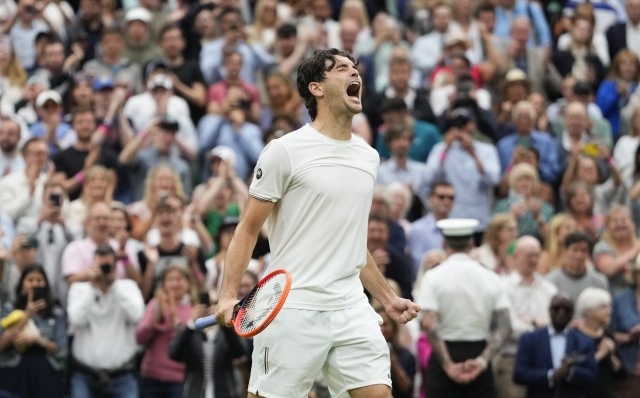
column 402, row 310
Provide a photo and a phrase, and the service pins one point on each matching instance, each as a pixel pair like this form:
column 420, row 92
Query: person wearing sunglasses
column 556, row 361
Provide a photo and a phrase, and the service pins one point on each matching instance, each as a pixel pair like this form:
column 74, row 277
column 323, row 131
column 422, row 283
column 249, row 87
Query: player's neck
column 337, row 127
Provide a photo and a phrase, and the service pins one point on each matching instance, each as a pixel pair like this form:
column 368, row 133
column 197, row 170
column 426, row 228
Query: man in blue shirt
column 514, row 146
column 471, row 166
column 508, row 10
column 399, row 168
column 50, row 127
column 425, row 135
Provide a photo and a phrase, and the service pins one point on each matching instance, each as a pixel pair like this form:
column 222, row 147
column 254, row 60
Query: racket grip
column 203, row 323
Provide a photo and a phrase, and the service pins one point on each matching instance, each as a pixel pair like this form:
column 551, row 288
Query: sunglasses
column 443, row 197
column 565, row 308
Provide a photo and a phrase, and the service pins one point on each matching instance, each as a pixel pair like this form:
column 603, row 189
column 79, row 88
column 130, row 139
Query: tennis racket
column 256, row 311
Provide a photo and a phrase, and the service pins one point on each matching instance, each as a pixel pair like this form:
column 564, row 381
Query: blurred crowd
column 129, row 131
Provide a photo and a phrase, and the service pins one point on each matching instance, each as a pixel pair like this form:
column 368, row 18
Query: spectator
column 22, row 254
column 103, row 313
column 524, row 202
column 472, row 167
column 159, row 254
column 13, row 78
column 350, row 29
column 11, row 160
column 508, row 10
column 560, row 226
column 21, row 193
column 599, row 40
column 113, row 64
column 594, row 308
column 263, row 30
column 73, row 164
column 159, row 17
column 625, row 322
column 166, row 314
column 98, row 187
column 78, row 258
column 33, row 348
column 579, row 204
column 501, row 231
column 425, row 235
column 208, row 357
column 401, row 199
column 233, row 129
column 625, row 35
column 403, row 364
column 50, row 127
column 574, row 276
column 218, row 102
column 618, row 248
column 532, row 60
column 57, row 70
column 283, row 98
column 23, row 28
column 426, row 135
column 552, row 372
column 529, row 296
column 540, row 105
column 255, row 58
column 606, row 13
column 427, row 49
column 399, row 168
column 624, row 152
column 568, row 94
column 87, row 29
column 215, row 265
column 292, row 48
column 613, row 93
column 580, row 59
column 188, row 81
column 143, row 109
column 381, row 206
column 512, row 148
column 392, row 265
column 161, row 181
column 140, row 48
column 224, row 195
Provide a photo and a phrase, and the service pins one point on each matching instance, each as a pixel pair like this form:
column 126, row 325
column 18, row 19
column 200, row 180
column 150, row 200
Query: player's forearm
column 238, row 257
column 500, row 331
column 375, row 283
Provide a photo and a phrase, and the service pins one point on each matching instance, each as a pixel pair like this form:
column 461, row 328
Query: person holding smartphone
column 33, row 339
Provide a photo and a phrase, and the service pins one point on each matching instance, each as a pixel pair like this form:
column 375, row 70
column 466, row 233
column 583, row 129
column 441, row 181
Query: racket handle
column 203, row 323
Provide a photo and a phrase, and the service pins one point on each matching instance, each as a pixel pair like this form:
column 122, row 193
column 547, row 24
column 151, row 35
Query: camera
column 244, row 104
column 105, row 268
column 54, row 198
column 31, row 243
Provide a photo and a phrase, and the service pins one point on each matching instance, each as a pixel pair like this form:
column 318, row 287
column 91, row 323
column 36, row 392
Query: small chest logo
column 259, row 174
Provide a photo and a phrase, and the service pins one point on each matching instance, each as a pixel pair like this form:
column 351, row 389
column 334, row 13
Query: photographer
column 103, row 313
column 232, row 129
column 471, row 166
column 22, row 253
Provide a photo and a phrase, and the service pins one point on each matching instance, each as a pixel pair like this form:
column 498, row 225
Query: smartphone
column 105, row 268
column 54, row 198
column 244, row 104
column 203, row 298
column 31, row 243
column 524, row 142
column 38, row 293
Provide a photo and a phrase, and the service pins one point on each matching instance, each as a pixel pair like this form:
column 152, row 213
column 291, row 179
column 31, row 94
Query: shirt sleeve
column 272, row 173
column 428, row 299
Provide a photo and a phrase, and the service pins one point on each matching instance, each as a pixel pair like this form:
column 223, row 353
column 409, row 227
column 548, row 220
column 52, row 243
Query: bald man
column 349, row 29
column 529, row 295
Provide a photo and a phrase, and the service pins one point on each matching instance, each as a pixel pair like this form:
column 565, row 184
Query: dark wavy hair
column 313, row 70
column 22, row 298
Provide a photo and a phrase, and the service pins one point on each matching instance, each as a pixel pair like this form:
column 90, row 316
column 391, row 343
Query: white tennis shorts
column 346, row 346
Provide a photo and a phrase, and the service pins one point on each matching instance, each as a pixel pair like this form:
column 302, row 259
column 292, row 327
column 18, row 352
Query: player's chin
column 354, row 107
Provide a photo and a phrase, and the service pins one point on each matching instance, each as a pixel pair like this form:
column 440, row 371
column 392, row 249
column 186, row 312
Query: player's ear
column 316, row 89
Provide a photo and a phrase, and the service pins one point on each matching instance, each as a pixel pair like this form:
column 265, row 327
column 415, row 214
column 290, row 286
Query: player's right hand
column 224, row 311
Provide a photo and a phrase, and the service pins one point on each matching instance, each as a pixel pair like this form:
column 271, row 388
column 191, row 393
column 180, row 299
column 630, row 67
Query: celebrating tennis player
column 316, row 185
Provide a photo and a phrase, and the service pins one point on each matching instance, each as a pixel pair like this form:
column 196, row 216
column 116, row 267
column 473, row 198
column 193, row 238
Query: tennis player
column 315, row 185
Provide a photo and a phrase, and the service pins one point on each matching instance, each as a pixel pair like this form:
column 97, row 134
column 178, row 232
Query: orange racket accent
column 262, row 304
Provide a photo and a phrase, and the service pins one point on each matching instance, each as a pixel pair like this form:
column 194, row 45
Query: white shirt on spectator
column 464, row 294
column 104, row 324
column 599, row 42
column 141, row 110
column 15, row 197
column 531, row 301
column 633, row 38
column 439, row 98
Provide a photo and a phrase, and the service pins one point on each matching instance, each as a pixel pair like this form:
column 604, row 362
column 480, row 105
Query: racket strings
column 261, row 303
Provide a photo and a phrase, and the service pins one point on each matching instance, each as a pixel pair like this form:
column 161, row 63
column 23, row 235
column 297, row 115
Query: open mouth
column 353, row 91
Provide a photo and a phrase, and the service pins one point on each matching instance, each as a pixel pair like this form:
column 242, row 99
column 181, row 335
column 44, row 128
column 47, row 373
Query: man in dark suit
column 556, row 361
column 623, row 33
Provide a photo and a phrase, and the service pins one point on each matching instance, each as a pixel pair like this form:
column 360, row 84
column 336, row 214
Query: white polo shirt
column 464, row 294
column 322, row 189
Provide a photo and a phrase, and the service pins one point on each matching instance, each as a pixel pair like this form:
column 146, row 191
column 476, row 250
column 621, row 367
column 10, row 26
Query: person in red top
column 232, row 62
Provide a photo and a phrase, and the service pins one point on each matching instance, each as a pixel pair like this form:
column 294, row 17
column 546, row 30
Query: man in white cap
column 140, row 47
column 465, row 315
column 50, row 126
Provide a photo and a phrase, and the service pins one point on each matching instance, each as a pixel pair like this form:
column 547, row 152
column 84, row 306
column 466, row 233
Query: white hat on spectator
column 138, row 14
column 457, row 37
column 47, row 95
column 225, row 153
column 160, row 80
column 457, row 227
